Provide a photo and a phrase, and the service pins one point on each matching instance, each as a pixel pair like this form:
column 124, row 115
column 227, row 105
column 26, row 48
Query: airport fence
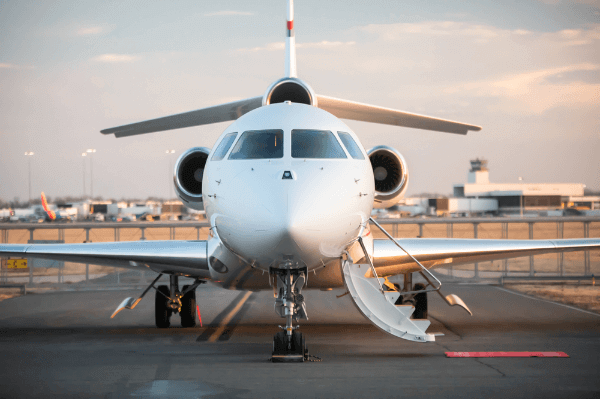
column 40, row 273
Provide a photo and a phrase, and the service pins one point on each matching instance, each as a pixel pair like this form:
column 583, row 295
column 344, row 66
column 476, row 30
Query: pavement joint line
column 223, row 324
column 548, row 301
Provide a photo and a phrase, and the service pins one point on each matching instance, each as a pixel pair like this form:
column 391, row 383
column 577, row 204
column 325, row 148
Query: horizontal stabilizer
column 205, row 116
column 371, row 113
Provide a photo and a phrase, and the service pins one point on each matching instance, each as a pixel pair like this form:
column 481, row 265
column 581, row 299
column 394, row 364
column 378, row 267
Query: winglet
column 290, row 43
column 51, row 214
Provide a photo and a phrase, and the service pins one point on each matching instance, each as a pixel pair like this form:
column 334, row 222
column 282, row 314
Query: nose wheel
column 289, row 348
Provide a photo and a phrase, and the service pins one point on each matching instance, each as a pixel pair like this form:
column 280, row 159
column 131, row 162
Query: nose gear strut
column 289, row 345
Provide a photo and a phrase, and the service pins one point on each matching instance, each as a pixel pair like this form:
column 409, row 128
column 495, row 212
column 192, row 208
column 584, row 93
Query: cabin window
column 315, row 144
column 351, row 146
column 224, row 146
column 259, row 144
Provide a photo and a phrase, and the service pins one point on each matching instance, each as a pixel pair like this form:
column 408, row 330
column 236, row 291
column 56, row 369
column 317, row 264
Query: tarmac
column 64, row 344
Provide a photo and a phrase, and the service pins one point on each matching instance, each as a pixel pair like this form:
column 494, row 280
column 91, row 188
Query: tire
column 188, row 308
column 162, row 313
column 420, row 303
column 298, row 344
column 279, row 344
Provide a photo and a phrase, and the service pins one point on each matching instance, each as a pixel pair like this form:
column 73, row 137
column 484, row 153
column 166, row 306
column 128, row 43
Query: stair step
column 380, row 308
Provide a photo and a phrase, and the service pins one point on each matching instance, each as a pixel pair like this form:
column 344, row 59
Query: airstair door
column 379, row 307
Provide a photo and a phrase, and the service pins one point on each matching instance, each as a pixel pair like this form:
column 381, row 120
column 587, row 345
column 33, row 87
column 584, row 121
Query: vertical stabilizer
column 290, row 43
column 51, row 214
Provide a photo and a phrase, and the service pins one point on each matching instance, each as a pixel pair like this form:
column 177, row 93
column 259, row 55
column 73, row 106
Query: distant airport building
column 519, row 198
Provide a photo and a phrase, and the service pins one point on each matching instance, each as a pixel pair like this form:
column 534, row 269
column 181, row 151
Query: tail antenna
column 290, row 43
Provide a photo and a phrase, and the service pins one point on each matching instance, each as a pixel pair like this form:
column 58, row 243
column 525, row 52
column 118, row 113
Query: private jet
column 288, row 190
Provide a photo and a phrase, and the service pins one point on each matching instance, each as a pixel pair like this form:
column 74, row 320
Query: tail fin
column 51, row 214
column 290, row 43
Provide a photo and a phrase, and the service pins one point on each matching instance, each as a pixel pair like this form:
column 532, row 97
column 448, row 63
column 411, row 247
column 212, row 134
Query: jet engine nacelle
column 391, row 175
column 189, row 171
column 290, row 89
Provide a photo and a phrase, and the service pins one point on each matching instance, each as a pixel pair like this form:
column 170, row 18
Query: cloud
column 575, row 37
column 6, row 65
column 392, row 32
column 536, row 91
column 277, row 46
column 115, row 58
column 324, row 44
column 438, row 65
column 93, row 30
column 593, row 3
column 227, row 12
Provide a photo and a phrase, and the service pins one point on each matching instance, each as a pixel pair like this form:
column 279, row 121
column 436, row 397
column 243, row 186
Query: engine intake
column 390, row 173
column 290, row 89
column 189, row 172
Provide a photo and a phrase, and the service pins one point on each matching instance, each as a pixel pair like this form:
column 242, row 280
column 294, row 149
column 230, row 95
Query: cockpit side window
column 223, row 147
column 315, row 144
column 351, row 146
column 259, row 144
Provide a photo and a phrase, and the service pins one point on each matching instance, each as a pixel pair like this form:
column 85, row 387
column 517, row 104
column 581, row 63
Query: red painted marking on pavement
column 506, row 354
column 199, row 317
column 290, row 25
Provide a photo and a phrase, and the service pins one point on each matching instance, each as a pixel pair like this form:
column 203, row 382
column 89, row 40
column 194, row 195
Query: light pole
column 83, row 155
column 521, row 196
column 29, row 154
column 91, row 151
column 169, row 184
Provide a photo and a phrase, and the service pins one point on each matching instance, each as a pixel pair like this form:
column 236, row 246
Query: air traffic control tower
column 479, row 173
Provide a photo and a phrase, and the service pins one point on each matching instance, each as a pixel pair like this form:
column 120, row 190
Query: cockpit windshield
column 315, row 144
column 224, row 146
column 259, row 144
column 351, row 146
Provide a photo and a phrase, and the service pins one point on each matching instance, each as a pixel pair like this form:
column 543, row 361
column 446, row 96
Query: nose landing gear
column 289, row 345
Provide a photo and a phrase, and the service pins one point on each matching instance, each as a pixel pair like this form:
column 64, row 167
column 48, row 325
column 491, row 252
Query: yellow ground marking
column 228, row 318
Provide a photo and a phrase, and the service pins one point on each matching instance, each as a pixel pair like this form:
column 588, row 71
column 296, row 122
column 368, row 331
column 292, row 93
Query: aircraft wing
column 161, row 256
column 204, row 116
column 371, row 113
column 436, row 252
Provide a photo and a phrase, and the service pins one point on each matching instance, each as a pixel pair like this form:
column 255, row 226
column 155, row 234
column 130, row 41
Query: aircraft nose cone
column 305, row 220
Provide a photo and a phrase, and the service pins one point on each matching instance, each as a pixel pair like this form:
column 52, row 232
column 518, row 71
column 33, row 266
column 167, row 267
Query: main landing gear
column 289, row 345
column 169, row 300
column 416, row 296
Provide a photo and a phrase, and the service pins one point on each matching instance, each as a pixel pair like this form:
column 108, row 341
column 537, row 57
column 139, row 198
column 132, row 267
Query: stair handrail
column 413, row 258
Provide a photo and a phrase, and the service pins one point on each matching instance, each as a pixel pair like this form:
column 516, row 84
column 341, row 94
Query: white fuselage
column 303, row 221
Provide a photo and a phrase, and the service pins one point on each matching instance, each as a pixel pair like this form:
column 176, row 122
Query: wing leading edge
column 436, row 252
column 371, row 113
column 205, row 116
column 187, row 257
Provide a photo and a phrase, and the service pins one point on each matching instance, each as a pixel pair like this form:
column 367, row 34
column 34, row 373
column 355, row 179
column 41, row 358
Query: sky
column 527, row 71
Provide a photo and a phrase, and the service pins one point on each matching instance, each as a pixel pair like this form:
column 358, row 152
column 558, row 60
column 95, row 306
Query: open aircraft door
column 379, row 307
